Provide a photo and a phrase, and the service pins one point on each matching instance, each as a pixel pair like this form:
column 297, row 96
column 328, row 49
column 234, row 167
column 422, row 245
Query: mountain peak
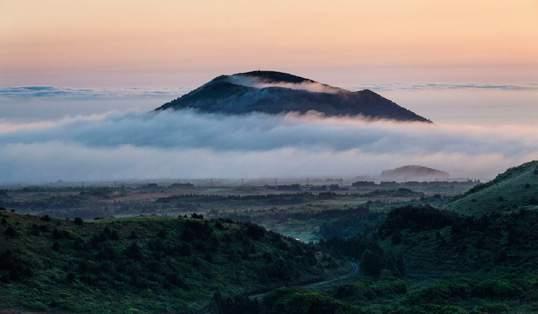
column 275, row 76
column 274, row 92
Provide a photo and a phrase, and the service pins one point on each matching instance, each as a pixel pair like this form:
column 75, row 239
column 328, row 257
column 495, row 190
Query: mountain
column 515, row 188
column 414, row 173
column 276, row 92
column 143, row 265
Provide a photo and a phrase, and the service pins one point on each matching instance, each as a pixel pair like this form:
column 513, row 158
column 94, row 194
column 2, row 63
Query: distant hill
column 146, row 265
column 276, row 92
column 414, row 173
column 513, row 189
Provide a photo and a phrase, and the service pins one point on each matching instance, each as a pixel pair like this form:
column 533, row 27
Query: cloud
column 81, row 93
column 453, row 86
column 185, row 144
column 310, row 86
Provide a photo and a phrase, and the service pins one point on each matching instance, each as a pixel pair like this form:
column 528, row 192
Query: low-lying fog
column 49, row 134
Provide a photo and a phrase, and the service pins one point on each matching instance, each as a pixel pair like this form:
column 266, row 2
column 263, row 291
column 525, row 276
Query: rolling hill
column 513, row 189
column 146, row 264
column 276, row 93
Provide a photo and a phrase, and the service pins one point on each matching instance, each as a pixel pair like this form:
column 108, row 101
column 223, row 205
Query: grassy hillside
column 424, row 260
column 437, row 243
column 477, row 293
column 515, row 188
column 142, row 264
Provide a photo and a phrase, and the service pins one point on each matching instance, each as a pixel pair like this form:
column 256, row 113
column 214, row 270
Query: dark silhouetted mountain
column 276, row 92
column 414, row 173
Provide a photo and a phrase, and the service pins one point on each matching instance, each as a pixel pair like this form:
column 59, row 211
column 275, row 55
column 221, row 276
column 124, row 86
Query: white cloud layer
column 189, row 145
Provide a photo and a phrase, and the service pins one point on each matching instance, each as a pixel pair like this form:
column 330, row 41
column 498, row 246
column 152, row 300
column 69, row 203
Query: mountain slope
column 146, row 265
column 513, row 189
column 276, row 92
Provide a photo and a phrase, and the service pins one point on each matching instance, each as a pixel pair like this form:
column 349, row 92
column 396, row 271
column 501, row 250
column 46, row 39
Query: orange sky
column 87, row 42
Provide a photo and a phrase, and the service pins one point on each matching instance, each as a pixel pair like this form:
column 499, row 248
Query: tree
column 78, row 221
column 10, row 232
column 396, row 237
column 371, row 263
column 133, row 235
column 133, row 251
column 162, row 234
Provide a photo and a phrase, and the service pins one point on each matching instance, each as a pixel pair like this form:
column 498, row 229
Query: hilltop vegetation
column 513, row 189
column 143, row 264
column 424, row 260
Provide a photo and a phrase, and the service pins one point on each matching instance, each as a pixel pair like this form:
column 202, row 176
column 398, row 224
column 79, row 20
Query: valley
column 325, row 246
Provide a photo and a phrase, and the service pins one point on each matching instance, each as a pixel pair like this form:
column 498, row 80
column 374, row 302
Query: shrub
column 255, row 232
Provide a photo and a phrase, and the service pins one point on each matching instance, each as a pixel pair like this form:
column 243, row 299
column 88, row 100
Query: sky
column 168, row 43
column 79, row 79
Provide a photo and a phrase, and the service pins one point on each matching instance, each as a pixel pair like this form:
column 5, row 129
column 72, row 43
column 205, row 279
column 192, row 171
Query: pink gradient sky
column 343, row 42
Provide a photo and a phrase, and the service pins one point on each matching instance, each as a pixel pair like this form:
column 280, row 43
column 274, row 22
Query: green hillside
column 449, row 264
column 438, row 243
column 143, row 264
column 515, row 188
